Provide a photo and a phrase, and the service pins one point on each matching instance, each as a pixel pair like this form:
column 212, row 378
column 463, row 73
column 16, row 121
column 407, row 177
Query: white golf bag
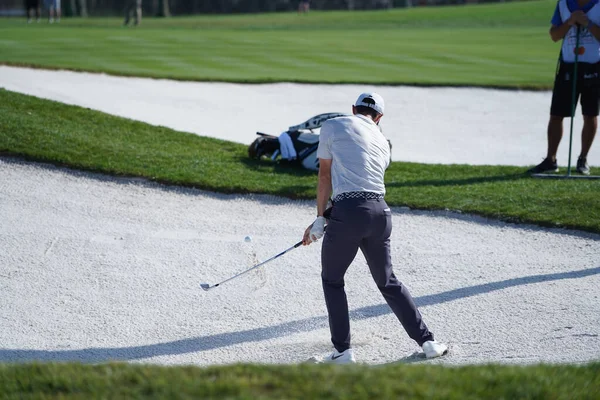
column 297, row 145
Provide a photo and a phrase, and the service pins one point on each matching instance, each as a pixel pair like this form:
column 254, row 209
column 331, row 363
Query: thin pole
column 573, row 99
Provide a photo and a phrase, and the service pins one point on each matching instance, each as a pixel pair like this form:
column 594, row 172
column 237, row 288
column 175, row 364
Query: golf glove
column 318, row 227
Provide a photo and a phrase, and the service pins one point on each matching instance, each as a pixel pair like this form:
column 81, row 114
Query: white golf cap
column 371, row 100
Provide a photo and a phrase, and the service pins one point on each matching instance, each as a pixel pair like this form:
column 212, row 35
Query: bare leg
column 555, row 133
column 590, row 126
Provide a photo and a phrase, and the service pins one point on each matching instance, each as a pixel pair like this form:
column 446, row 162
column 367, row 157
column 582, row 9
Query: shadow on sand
column 199, row 344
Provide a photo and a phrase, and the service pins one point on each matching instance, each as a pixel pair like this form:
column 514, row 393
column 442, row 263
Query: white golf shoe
column 433, row 349
column 345, row 357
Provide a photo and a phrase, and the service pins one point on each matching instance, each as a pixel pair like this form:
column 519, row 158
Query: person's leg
column 590, row 105
column 138, row 12
column 555, row 134
column 340, row 245
column 127, row 12
column 560, row 108
column 376, row 249
column 588, row 133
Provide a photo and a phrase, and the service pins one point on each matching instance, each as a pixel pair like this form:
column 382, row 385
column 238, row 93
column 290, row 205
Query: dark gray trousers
column 364, row 224
column 133, row 7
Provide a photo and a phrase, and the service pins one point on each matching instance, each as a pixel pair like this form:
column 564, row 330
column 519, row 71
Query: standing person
column 53, row 10
column 33, row 8
column 133, row 7
column 353, row 156
column 303, row 6
column 572, row 18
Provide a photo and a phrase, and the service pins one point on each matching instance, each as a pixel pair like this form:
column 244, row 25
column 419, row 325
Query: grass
column 75, row 381
column 496, row 45
column 504, row 45
column 81, row 138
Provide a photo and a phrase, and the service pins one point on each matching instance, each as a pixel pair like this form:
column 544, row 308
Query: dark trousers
column 366, row 225
column 133, row 7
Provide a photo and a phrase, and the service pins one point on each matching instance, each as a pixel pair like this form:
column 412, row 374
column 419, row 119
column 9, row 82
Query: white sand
column 95, row 268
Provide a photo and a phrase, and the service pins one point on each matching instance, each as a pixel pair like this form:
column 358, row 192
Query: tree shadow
column 205, row 343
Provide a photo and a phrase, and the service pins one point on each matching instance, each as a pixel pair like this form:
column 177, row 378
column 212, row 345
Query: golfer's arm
column 558, row 32
column 324, row 185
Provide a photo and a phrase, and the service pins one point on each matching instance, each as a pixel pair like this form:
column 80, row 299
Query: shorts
column 52, row 4
column 589, row 92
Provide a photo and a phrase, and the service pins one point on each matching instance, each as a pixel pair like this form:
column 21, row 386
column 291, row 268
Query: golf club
column 206, row 286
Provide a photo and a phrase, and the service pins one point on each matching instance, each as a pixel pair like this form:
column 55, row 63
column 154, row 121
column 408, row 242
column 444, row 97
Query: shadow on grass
column 205, row 343
column 287, row 168
column 303, row 191
column 459, row 182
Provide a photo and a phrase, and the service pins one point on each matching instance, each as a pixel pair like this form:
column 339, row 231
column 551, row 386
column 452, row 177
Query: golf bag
column 298, row 145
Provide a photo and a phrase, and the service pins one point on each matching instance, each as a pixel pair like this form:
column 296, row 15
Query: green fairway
column 503, row 45
column 74, row 136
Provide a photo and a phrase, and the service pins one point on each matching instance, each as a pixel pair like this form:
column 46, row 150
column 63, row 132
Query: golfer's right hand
column 306, row 238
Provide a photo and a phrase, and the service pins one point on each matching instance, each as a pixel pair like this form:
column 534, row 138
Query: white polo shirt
column 359, row 152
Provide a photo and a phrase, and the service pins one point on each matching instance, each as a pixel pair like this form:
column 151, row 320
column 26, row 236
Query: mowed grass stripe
column 528, row 13
column 486, row 45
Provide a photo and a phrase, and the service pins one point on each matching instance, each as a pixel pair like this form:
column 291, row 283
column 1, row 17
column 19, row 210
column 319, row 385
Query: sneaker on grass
column 582, row 166
column 345, row 357
column 545, row 166
column 433, row 349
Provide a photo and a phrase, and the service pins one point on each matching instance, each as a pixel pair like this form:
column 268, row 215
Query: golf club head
column 205, row 286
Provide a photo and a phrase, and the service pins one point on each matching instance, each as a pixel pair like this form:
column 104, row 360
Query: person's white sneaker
column 433, row 349
column 345, row 357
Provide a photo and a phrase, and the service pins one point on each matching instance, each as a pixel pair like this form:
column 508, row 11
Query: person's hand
column 306, row 238
column 577, row 17
column 314, row 232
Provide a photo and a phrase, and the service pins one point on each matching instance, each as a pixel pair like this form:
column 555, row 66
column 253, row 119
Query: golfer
column 353, row 156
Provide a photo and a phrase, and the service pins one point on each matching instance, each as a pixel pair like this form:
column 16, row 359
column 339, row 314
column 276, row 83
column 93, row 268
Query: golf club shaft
column 573, row 99
column 256, row 266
